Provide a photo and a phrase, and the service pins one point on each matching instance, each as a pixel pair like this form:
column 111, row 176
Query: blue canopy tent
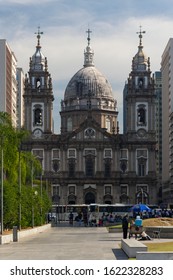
column 140, row 208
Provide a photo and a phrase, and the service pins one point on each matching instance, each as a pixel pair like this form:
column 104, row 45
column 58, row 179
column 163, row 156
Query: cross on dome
column 89, row 32
column 88, row 53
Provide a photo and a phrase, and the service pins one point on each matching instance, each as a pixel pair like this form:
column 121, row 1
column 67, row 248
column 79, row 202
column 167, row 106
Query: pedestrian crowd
column 92, row 219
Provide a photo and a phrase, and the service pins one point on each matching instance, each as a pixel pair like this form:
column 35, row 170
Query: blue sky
column 114, row 24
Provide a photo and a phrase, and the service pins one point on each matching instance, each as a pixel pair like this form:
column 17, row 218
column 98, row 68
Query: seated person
column 145, row 236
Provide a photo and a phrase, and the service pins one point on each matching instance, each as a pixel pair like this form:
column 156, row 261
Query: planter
column 23, row 233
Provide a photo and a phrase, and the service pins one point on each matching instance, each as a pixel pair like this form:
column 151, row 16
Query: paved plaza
column 66, row 243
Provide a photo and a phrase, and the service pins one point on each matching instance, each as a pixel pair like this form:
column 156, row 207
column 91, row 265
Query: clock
column 37, row 67
column 37, row 133
column 141, row 133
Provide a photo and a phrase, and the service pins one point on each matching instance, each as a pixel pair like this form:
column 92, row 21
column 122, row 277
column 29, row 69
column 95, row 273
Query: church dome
column 88, row 80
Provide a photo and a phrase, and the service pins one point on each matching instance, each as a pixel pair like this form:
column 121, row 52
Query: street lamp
column 19, row 188
column 32, row 193
column 2, row 187
column 41, row 195
column 142, row 194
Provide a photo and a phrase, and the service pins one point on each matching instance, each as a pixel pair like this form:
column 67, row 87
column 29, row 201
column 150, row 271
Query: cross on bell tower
column 39, row 33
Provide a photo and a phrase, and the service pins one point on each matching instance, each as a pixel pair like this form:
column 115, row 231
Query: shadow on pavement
column 119, row 254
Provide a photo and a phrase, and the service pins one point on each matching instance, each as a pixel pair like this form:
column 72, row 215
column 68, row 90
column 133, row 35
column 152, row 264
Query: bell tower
column 38, row 96
column 140, row 97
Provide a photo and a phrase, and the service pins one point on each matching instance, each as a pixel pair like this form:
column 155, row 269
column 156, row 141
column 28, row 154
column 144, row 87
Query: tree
column 19, row 171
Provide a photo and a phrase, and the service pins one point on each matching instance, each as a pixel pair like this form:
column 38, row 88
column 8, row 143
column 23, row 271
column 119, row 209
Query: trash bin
column 15, row 234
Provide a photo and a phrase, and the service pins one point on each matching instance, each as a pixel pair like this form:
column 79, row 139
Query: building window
column 123, row 153
column 55, row 160
column 107, row 172
column 71, row 190
column 38, row 84
column 108, row 124
column 39, row 154
column 71, row 153
column 55, row 153
column 69, row 124
column 140, row 82
column 55, row 194
column 55, row 190
column 107, row 153
column 107, row 190
column 141, row 162
column 142, row 194
column 141, row 116
column 124, row 194
column 89, row 166
column 71, row 165
column 38, row 116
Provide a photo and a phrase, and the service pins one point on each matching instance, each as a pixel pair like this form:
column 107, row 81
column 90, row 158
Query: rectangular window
column 124, row 189
column 55, row 190
column 55, row 153
column 71, row 190
column 107, row 153
column 39, row 154
column 71, row 153
column 123, row 153
column 107, row 190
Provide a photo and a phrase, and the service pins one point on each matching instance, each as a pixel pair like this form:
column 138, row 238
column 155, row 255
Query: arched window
column 140, row 82
column 141, row 116
column 38, row 84
column 38, row 116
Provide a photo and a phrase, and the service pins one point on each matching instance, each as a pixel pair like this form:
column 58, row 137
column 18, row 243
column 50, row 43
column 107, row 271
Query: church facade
column 90, row 161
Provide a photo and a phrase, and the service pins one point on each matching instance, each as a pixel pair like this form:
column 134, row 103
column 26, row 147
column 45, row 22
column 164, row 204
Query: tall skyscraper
column 20, row 99
column 8, row 82
column 167, row 122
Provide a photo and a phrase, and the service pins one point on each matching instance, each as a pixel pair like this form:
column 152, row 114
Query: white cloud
column 113, row 39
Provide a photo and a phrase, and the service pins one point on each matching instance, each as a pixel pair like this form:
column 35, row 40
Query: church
column 90, row 161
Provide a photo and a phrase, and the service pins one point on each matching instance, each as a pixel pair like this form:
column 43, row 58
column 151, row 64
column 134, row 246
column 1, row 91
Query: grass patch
column 159, row 247
column 115, row 226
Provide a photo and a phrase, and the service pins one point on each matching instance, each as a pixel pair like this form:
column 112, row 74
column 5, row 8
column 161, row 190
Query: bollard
column 15, row 234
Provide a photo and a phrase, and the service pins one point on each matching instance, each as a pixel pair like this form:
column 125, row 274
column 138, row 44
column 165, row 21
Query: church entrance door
column 89, row 198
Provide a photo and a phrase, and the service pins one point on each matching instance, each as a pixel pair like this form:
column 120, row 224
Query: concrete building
column 90, row 161
column 8, row 83
column 20, row 100
column 167, row 129
column 158, row 90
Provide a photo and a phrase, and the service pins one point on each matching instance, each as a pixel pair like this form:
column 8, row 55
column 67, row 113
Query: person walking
column 125, row 226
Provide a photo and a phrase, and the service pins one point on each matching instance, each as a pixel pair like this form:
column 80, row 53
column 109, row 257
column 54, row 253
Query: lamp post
column 41, row 195
column 32, row 194
column 2, row 187
column 20, row 189
column 142, row 193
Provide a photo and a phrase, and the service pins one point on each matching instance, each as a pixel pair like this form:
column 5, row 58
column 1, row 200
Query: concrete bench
column 132, row 246
column 154, row 255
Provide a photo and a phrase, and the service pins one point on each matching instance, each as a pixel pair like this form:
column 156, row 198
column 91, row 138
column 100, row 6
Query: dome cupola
column 140, row 61
column 88, row 93
column 88, row 80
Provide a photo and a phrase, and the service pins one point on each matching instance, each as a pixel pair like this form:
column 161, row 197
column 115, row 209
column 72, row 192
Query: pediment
column 91, row 131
